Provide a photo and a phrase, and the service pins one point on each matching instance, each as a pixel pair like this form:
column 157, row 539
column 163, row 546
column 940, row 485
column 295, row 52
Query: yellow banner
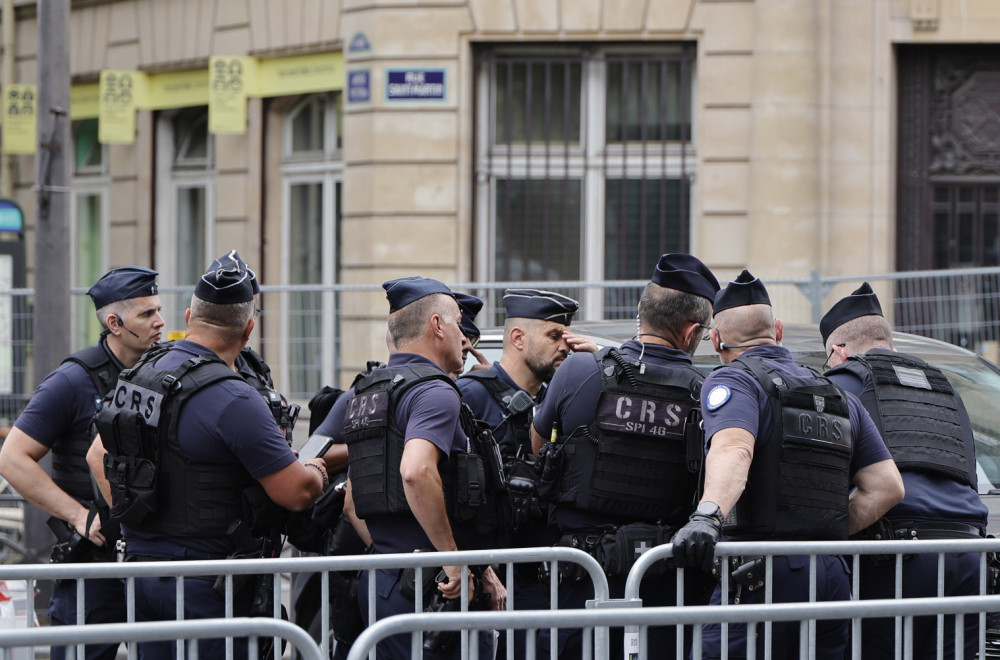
column 227, row 94
column 84, row 101
column 176, row 89
column 299, row 74
column 20, row 104
column 120, row 91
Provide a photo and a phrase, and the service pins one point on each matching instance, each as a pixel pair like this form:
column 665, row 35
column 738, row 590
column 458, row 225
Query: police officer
column 927, row 430
column 185, row 436
column 771, row 481
column 624, row 424
column 402, row 425
column 535, row 342
column 469, row 306
column 58, row 419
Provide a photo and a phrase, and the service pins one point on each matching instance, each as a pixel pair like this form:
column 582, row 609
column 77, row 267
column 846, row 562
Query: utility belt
column 885, row 530
column 616, row 549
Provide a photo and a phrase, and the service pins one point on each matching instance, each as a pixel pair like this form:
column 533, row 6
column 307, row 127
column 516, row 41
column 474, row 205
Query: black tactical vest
column 259, row 377
column 472, row 481
column 916, row 411
column 155, row 486
column 800, row 479
column 518, row 436
column 69, row 455
column 641, row 456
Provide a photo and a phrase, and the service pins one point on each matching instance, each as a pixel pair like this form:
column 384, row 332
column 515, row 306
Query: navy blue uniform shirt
column 429, row 411
column 930, row 497
column 63, row 404
column 226, row 423
column 571, row 401
column 488, row 409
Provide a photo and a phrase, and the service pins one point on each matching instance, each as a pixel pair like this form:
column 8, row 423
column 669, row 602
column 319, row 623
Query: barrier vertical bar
column 81, row 615
column 179, row 612
column 133, row 651
column 855, row 595
column 940, row 617
column 898, row 593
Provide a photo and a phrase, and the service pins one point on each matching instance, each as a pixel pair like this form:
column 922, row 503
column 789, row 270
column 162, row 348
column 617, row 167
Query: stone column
column 785, row 194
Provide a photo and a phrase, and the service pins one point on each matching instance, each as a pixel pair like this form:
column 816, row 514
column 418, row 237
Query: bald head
column 748, row 324
column 860, row 335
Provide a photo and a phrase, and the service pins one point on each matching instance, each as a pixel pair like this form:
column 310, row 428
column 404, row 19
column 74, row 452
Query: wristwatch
column 710, row 509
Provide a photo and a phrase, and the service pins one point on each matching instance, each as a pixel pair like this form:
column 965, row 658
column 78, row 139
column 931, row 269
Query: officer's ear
column 779, row 329
column 517, row 337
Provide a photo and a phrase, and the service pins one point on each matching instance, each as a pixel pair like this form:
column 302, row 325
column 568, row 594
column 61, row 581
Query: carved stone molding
column 925, row 14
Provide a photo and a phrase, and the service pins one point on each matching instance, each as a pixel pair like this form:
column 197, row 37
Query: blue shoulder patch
column 717, row 397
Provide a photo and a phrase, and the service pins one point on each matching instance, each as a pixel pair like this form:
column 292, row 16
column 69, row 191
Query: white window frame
column 172, row 180
column 89, row 186
column 592, row 161
column 324, row 167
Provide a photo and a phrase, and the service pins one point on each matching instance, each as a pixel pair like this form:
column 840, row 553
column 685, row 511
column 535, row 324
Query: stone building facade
column 494, row 140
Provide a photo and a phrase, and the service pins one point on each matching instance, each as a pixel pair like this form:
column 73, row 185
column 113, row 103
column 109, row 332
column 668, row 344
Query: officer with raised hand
column 927, row 430
column 185, row 437
column 58, row 419
column 790, row 457
column 505, row 396
column 622, row 465
column 407, row 438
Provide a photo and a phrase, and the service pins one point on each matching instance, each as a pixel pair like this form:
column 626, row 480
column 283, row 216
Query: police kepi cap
column 685, row 272
column 744, row 290
column 405, row 290
column 123, row 283
column 227, row 281
column 863, row 302
column 470, row 306
column 535, row 304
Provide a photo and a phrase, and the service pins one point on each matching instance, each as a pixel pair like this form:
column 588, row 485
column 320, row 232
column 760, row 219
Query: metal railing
column 253, row 628
column 129, row 571
column 313, row 335
column 603, row 612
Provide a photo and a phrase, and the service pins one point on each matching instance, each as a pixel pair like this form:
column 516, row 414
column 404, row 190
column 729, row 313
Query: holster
column 880, row 530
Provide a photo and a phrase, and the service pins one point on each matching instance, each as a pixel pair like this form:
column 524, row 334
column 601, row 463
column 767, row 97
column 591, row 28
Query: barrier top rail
column 659, row 616
column 777, row 548
column 309, row 564
column 164, row 631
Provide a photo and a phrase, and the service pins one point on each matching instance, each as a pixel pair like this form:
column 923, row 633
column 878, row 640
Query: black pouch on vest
column 470, row 486
column 551, row 456
column 632, row 541
column 133, row 488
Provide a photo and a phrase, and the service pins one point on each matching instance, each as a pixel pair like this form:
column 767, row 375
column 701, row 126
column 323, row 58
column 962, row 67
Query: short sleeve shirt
column 63, row 404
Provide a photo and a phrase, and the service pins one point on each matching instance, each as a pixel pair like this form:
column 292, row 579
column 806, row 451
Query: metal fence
column 603, row 612
column 315, row 335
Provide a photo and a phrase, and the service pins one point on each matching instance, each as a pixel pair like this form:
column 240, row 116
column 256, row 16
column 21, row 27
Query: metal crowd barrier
column 253, row 628
column 602, row 613
column 276, row 567
column 658, row 616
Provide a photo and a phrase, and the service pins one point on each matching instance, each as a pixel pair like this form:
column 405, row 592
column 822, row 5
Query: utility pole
column 51, row 341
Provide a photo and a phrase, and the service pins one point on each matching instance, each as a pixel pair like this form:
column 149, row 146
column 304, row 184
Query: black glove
column 694, row 543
